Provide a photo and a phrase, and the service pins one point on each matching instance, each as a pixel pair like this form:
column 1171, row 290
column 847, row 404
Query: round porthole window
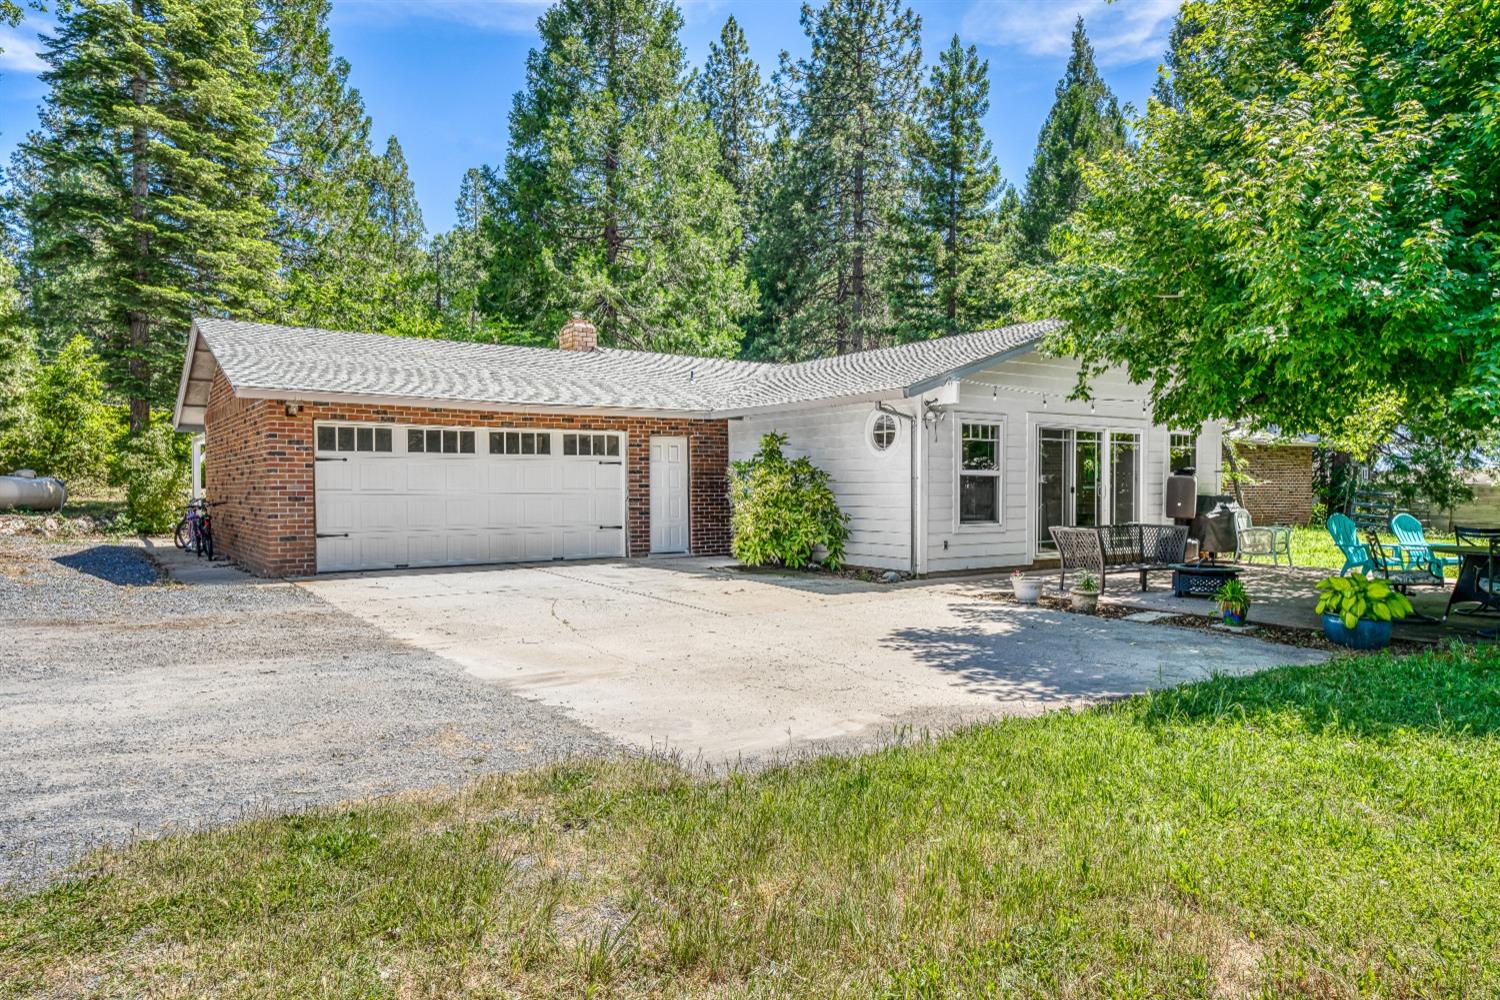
column 882, row 431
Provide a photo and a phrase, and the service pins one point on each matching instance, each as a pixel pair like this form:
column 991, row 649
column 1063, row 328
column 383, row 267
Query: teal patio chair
column 1412, row 545
column 1346, row 537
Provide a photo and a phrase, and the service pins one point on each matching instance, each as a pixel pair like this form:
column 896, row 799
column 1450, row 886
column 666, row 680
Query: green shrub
column 783, row 510
column 65, row 428
column 1356, row 596
column 154, row 467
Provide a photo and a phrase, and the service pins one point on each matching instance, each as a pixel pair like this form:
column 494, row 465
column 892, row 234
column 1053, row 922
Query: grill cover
column 1214, row 525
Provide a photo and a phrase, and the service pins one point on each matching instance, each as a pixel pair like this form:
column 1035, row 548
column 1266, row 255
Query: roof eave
column 439, row 403
column 935, row 381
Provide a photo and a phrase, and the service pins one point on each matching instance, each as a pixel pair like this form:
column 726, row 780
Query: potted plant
column 1357, row 611
column 1027, row 588
column 1233, row 601
column 1086, row 593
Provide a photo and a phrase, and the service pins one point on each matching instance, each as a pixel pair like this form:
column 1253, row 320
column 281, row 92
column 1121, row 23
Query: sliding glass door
column 1085, row 478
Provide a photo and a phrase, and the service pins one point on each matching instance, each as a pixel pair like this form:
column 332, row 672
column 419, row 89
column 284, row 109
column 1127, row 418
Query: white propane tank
column 24, row 488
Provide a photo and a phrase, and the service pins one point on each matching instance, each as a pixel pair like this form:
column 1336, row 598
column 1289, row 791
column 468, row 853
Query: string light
column 1043, row 394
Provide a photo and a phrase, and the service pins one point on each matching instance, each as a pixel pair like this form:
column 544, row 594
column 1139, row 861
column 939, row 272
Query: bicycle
column 195, row 530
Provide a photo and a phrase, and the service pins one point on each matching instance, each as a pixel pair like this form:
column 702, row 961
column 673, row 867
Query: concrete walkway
column 712, row 660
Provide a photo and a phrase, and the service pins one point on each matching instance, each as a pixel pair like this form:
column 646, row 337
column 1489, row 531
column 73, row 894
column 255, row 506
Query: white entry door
column 398, row 496
column 669, row 494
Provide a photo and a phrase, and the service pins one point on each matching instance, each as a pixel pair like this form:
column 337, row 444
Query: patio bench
column 1120, row 548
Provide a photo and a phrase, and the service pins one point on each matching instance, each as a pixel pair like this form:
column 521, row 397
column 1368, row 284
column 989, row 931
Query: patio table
column 1479, row 562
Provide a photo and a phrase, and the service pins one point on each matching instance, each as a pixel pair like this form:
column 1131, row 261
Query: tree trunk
column 140, row 191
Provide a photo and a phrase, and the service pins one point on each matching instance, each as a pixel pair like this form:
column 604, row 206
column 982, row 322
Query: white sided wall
column 873, row 488
column 1013, row 392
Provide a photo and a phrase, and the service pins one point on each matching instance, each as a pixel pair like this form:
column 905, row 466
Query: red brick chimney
column 578, row 334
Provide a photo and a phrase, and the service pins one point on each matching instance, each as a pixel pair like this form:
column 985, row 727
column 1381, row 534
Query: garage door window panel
column 336, row 438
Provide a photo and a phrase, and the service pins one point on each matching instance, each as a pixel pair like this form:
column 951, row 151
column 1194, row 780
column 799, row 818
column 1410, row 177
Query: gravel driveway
column 129, row 705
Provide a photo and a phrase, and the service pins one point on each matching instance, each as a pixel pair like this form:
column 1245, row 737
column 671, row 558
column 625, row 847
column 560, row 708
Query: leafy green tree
column 67, row 430
column 611, row 202
column 16, row 356
column 153, row 154
column 957, row 244
column 1085, row 123
column 782, row 511
column 737, row 103
column 155, row 466
column 826, row 237
column 1307, row 240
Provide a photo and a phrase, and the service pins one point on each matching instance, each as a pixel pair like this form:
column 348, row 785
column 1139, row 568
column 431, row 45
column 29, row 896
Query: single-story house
column 332, row 451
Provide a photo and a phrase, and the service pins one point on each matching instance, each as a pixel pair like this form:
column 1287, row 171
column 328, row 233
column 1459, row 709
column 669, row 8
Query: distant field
column 1323, row 832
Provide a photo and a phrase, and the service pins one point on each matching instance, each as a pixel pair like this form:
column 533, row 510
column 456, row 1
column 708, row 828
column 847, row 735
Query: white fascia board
column 928, row 384
column 809, row 404
column 187, row 370
column 433, row 403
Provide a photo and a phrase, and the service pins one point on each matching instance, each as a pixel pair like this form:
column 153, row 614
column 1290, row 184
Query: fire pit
column 1200, row 579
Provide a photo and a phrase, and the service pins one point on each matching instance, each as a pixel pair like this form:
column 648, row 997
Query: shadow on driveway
column 121, row 565
column 1055, row 657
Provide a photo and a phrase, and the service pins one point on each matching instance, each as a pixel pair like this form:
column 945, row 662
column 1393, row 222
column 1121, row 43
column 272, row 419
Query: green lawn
column 1321, row 832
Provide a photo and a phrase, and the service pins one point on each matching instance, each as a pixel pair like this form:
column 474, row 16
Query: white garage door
column 395, row 495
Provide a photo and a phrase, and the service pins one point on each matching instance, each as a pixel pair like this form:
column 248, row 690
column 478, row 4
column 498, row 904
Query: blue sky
column 440, row 74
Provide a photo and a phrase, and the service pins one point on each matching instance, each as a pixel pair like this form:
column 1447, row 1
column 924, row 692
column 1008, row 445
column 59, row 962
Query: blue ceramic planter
column 1367, row 634
column 1235, row 616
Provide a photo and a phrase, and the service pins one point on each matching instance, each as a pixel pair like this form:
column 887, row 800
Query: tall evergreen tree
column 612, row 202
column 459, row 257
column 956, row 247
column 154, row 151
column 824, row 250
column 1085, row 123
column 344, row 263
column 738, row 106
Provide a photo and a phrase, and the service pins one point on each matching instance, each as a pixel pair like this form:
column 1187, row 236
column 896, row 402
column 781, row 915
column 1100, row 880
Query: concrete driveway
column 699, row 656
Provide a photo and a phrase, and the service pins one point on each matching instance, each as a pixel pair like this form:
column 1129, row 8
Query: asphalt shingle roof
column 295, row 360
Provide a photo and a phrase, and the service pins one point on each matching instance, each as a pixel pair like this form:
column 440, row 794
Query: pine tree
column 737, row 104
column 153, row 155
column 459, row 257
column 611, row 203
column 347, row 263
column 16, row 355
column 826, row 233
column 956, row 249
column 1085, row 122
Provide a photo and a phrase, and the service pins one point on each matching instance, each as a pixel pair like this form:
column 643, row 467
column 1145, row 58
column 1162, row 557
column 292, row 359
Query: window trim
column 998, row 473
column 1192, row 446
column 538, row 434
column 875, row 417
column 354, row 428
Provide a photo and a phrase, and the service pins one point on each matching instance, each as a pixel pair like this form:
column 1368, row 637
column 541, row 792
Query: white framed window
column 979, row 472
column 591, row 444
column 520, row 442
column 1182, row 450
column 439, row 441
column 881, row 431
column 351, row 437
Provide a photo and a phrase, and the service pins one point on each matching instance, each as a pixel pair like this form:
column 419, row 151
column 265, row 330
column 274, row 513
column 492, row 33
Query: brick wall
column 260, row 462
column 1283, row 475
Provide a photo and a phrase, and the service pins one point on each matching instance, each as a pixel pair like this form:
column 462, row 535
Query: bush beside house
column 783, row 511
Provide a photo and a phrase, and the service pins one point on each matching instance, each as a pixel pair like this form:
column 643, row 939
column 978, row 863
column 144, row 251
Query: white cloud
column 1122, row 32
column 20, row 51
